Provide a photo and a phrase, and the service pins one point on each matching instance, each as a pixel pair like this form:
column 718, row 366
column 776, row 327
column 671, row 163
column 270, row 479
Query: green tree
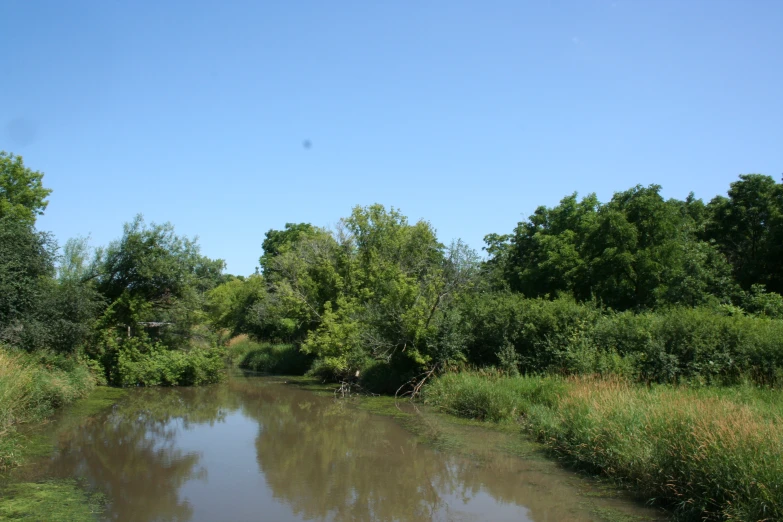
column 277, row 241
column 151, row 274
column 26, row 264
column 398, row 285
column 747, row 227
column 22, row 194
column 230, row 304
column 636, row 251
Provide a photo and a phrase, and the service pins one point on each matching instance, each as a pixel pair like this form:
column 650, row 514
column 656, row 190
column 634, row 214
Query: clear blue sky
column 467, row 114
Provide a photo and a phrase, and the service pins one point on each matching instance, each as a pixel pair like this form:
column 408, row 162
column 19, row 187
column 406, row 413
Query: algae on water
column 61, row 500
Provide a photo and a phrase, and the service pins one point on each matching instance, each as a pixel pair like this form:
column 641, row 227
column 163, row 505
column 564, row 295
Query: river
column 256, row 448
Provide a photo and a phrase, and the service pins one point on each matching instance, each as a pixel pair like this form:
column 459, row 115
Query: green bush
column 386, row 377
column 136, row 361
column 695, row 344
column 280, row 359
column 541, row 331
column 705, row 345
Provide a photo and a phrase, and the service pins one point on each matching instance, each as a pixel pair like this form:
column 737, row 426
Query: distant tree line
column 581, row 287
column 653, row 288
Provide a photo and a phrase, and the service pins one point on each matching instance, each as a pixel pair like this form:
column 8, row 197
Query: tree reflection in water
column 130, row 452
column 319, row 459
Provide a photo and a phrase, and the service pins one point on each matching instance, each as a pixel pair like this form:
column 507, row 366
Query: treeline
column 131, row 311
column 653, row 289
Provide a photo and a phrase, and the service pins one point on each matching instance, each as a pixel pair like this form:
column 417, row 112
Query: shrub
column 136, row 361
column 386, row 377
column 537, row 336
column 280, row 359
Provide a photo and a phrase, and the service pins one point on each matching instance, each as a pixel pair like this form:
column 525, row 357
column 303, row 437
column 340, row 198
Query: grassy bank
column 708, row 453
column 31, row 388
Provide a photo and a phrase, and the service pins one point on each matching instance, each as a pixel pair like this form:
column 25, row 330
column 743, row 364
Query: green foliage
column 139, row 361
column 698, row 345
column 151, row 274
column 387, row 377
column 62, row 500
column 747, row 227
column 277, row 242
column 708, row 453
column 758, row 301
column 561, row 336
column 397, row 297
column 303, row 277
column 539, row 330
column 22, row 194
column 31, row 388
column 278, row 359
column 491, row 396
column 230, row 305
column 26, row 260
column 638, row 251
column 38, row 312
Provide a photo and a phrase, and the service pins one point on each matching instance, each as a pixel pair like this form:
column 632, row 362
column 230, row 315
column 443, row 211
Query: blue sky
column 466, row 114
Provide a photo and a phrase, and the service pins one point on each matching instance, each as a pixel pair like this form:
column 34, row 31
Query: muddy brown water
column 258, row 449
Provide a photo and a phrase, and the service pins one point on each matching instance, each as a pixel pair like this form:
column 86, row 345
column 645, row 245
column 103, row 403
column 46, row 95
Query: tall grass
column 708, row 453
column 488, row 395
column 31, row 388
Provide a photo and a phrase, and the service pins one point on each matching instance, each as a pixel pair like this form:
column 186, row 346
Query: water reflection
column 329, row 463
column 131, row 454
column 252, row 449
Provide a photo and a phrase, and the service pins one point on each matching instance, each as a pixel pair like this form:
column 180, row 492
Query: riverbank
column 33, row 498
column 32, row 387
column 706, row 453
column 273, row 448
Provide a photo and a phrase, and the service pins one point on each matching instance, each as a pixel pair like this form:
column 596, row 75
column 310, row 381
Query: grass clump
column 278, row 359
column 61, row 500
column 488, row 395
column 31, row 388
column 708, row 453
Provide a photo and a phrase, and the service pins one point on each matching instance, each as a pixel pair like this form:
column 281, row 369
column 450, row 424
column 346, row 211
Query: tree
column 394, row 303
column 22, row 194
column 152, row 274
column 230, row 304
column 26, row 262
column 636, row 251
column 277, row 241
column 747, row 227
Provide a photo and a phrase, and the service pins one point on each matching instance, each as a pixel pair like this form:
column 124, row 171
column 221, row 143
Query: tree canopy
column 22, row 194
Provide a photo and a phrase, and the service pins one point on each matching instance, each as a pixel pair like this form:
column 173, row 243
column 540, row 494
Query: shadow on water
column 254, row 449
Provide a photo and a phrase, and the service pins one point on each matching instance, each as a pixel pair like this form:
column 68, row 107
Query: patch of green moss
column 61, row 500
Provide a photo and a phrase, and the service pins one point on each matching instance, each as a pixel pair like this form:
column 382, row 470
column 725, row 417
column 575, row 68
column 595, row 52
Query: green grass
column 707, row 453
column 31, row 388
column 490, row 396
column 61, row 500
